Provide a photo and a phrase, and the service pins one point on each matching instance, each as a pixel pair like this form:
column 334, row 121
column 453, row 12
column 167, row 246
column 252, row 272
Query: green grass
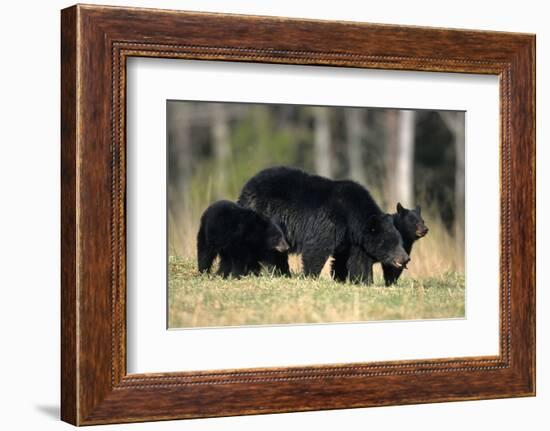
column 197, row 300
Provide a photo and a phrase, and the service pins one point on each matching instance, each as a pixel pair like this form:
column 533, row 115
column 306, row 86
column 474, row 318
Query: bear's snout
column 401, row 262
column 421, row 231
column 282, row 246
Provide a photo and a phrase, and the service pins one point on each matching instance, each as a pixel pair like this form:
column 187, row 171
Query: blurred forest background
column 408, row 156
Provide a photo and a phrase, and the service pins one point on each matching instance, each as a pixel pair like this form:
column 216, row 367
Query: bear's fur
column 410, row 226
column 323, row 217
column 241, row 237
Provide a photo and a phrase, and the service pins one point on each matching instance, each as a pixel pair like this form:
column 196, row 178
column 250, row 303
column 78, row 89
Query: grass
column 197, row 300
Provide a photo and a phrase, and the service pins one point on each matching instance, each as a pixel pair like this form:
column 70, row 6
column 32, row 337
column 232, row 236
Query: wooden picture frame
column 95, row 43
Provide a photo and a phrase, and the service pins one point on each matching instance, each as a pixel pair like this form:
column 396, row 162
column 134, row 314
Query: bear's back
column 228, row 215
column 354, row 198
column 287, row 185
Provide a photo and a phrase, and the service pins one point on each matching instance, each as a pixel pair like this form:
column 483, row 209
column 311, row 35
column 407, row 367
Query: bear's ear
column 417, row 209
column 400, row 208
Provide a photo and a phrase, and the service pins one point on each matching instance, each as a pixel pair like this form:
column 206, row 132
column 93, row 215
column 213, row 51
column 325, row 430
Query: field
column 197, row 300
column 406, row 156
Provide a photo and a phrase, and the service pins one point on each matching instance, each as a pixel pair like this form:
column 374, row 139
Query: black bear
column 323, row 217
column 411, row 227
column 241, row 237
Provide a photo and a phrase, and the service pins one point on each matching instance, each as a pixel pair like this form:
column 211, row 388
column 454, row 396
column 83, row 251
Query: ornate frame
column 95, row 43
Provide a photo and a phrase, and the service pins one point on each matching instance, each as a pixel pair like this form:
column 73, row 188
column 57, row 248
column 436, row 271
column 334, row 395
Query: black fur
column 241, row 237
column 411, row 226
column 322, row 217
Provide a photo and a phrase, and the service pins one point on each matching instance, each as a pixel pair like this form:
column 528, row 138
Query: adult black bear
column 241, row 237
column 323, row 218
column 411, row 227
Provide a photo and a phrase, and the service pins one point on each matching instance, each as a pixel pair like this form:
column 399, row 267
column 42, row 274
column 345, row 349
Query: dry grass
column 197, row 300
column 432, row 287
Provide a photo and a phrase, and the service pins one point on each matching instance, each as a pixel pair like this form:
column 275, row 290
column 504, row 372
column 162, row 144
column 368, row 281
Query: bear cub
column 240, row 236
column 411, row 226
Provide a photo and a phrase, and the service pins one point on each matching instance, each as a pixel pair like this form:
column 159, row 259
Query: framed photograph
column 264, row 215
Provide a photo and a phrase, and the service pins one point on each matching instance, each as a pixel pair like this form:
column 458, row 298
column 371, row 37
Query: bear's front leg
column 206, row 253
column 278, row 260
column 225, row 265
column 314, row 258
column 339, row 268
column 252, row 266
column 359, row 266
column 239, row 268
column 391, row 274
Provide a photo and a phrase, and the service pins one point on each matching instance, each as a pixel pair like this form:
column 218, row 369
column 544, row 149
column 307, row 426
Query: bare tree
column 404, row 175
column 390, row 121
column 221, row 139
column 322, row 155
column 399, row 157
column 179, row 135
column 355, row 128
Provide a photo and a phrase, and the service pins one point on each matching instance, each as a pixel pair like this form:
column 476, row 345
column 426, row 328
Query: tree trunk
column 399, row 158
column 179, row 148
column 322, row 141
column 221, row 141
column 355, row 128
column 404, row 178
column 391, row 152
